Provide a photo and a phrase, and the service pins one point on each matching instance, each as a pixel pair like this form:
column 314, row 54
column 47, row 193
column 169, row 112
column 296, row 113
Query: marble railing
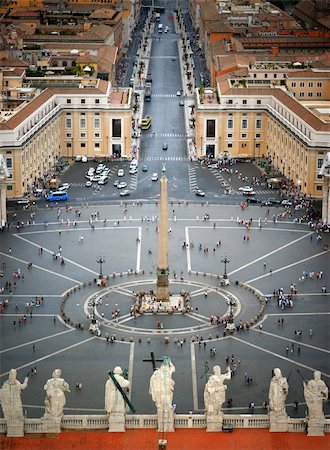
column 100, row 422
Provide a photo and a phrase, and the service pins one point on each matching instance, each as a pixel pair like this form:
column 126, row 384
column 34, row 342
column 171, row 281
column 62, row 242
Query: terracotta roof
column 16, row 72
column 308, row 74
column 98, row 32
column 181, row 439
column 13, row 63
column 293, row 104
column 21, row 13
column 45, row 95
column 103, row 13
column 107, row 58
column 209, row 11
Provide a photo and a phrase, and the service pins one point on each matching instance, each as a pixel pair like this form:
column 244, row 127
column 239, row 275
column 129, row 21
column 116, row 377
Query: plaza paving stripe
column 288, row 266
column 312, row 369
column 194, row 376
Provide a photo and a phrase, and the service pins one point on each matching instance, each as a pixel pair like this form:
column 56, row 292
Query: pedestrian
column 35, row 370
column 311, row 332
column 298, row 349
column 34, row 347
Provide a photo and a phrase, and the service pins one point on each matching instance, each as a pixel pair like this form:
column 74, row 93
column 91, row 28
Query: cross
column 206, row 371
column 120, row 389
column 153, row 360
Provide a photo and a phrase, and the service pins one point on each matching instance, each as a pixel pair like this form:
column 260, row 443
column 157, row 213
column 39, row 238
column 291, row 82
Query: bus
column 146, row 123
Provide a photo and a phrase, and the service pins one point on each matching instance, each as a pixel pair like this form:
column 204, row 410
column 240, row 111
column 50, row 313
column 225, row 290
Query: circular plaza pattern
column 274, row 257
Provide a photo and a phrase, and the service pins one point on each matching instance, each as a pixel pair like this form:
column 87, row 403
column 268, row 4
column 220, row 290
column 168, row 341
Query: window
column 82, row 135
column 258, row 135
column 68, row 135
column 318, row 94
column 310, row 94
column 254, row 75
column 258, row 123
column 230, row 102
column 301, row 94
column 97, row 145
column 68, row 145
column 96, row 135
column 319, row 177
column 230, row 123
column 82, row 122
column 82, row 101
column 68, row 100
column 310, row 84
column 82, row 145
column 229, row 135
column 9, row 163
column 68, row 123
column 97, row 101
column 244, row 102
column 244, row 123
column 244, row 136
column 302, row 84
column 229, row 145
column 116, row 128
column 9, row 187
column 319, row 84
column 210, row 128
column 266, row 75
column 258, row 102
column 294, row 84
column 243, row 145
column 275, row 75
column 97, row 122
column 319, row 163
column 319, row 188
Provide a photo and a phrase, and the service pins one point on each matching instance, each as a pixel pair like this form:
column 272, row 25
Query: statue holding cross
column 115, row 399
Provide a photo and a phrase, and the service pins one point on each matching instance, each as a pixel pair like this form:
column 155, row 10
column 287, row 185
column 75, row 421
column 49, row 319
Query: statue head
column 277, row 373
column 217, row 370
column 317, row 375
column 12, row 375
column 57, row 373
column 117, row 370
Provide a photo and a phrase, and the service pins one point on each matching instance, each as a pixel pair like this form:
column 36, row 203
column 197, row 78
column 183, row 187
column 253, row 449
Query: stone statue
column 114, row 402
column 315, row 391
column 161, row 389
column 10, row 397
column 215, row 391
column 278, row 391
column 55, row 398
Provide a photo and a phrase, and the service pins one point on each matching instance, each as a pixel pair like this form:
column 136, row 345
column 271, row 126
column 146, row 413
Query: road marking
column 286, row 267
column 49, row 251
column 36, row 340
column 194, row 376
column 41, row 268
column 50, row 355
column 130, row 368
column 277, row 355
column 268, row 254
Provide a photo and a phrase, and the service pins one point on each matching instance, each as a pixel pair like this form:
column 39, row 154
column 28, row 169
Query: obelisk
column 162, row 262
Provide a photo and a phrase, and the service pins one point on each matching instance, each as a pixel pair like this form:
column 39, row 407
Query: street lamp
column 225, row 259
column 100, row 260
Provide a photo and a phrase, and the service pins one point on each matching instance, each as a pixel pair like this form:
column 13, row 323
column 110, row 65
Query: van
column 160, row 28
column 134, row 164
column 57, row 196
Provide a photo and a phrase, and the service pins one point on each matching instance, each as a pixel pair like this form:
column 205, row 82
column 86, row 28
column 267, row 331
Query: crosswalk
column 165, row 135
column 133, row 182
column 219, row 177
column 192, row 178
column 164, row 57
column 165, row 95
column 166, row 158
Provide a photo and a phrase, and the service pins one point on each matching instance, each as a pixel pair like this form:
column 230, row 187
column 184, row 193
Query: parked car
column 165, row 146
column 120, row 173
column 271, row 202
column 103, row 180
column 116, row 182
column 84, row 159
column 199, row 192
column 154, row 176
column 122, row 185
column 88, row 183
column 125, row 192
column 144, row 168
column 286, row 202
column 253, row 200
column 133, row 171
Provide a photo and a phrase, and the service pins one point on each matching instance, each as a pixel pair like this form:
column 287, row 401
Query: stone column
column 326, row 199
column 162, row 262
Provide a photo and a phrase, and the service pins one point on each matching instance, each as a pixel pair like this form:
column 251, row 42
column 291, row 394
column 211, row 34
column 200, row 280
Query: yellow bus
column 146, row 123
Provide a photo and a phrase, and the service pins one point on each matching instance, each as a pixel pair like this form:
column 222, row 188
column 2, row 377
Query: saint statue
column 10, row 397
column 161, row 389
column 55, row 398
column 114, row 401
column 215, row 391
column 278, row 391
column 315, row 391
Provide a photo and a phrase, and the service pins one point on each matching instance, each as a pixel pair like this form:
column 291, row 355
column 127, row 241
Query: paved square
column 268, row 257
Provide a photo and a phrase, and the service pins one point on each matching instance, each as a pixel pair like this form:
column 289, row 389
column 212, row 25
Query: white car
column 96, row 178
column 63, row 187
column 122, row 185
column 84, row 159
column 125, row 192
column 178, row 93
column 133, row 171
column 88, row 183
column 120, row 173
column 246, row 190
column 103, row 180
column 154, row 176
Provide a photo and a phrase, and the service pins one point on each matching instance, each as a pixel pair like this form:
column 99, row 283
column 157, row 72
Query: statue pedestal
column 116, row 422
column 214, row 423
column 278, row 423
column 51, row 424
column 15, row 428
column 165, row 421
column 315, row 427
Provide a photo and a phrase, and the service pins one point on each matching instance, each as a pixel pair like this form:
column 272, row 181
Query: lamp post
column 100, row 260
column 225, row 259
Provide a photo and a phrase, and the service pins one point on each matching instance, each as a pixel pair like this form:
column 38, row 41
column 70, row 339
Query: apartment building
column 309, row 84
column 264, row 122
column 92, row 120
